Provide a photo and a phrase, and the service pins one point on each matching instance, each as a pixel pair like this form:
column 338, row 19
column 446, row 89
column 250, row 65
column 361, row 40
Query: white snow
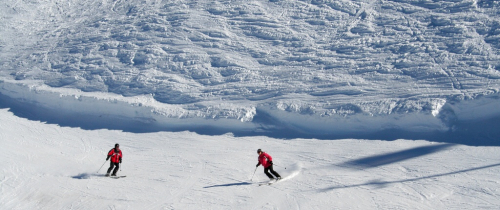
column 316, row 67
column 46, row 166
column 390, row 104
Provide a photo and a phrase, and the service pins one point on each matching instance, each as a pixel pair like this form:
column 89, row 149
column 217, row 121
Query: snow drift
column 445, row 119
column 301, row 68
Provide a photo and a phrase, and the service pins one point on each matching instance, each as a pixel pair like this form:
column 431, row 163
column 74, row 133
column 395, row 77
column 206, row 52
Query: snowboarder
column 116, row 158
column 267, row 162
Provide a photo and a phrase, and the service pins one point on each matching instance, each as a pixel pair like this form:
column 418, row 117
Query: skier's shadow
column 86, row 176
column 230, row 184
column 393, row 157
column 380, row 184
column 399, row 156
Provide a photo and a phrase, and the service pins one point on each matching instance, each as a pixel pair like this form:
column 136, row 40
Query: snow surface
column 387, row 104
column 46, row 166
column 309, row 68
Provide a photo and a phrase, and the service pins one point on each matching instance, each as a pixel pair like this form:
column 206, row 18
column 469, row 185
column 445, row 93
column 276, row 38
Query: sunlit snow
column 387, row 104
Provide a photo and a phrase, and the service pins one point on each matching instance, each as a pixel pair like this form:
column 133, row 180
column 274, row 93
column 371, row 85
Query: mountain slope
column 234, row 59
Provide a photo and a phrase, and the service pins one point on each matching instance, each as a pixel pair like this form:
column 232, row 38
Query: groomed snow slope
column 45, row 166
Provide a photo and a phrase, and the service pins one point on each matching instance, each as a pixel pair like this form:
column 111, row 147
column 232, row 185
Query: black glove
column 258, row 164
column 271, row 162
column 107, row 158
column 120, row 160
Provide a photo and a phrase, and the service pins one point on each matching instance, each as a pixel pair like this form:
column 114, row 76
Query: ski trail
column 275, row 190
column 186, row 186
column 295, row 170
column 291, row 171
column 294, row 174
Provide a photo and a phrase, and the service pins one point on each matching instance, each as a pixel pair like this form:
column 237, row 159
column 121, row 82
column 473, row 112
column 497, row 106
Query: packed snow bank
column 276, row 68
column 111, row 108
column 144, row 114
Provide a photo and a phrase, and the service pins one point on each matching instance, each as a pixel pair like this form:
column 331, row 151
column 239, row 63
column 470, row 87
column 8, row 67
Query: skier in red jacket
column 267, row 162
column 116, row 158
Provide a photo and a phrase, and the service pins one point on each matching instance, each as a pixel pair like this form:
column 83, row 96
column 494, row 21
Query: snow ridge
column 305, row 67
column 144, row 114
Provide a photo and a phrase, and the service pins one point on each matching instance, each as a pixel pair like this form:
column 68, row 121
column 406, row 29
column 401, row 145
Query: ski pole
column 253, row 174
column 102, row 166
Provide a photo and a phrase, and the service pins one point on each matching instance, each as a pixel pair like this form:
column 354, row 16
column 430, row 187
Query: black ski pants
column 112, row 165
column 270, row 168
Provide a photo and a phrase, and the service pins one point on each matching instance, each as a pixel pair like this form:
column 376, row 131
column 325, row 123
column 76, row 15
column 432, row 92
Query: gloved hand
column 257, row 165
column 107, row 158
column 120, row 160
column 271, row 162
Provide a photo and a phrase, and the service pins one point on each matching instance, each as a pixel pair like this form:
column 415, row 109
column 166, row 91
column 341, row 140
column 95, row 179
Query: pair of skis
column 269, row 183
column 115, row 177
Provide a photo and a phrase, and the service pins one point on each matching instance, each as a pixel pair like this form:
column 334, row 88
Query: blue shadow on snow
column 385, row 159
column 230, row 184
column 381, row 184
column 86, row 176
column 474, row 133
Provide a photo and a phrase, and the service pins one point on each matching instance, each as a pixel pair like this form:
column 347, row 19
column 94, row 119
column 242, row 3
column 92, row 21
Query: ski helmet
column 259, row 151
column 117, row 145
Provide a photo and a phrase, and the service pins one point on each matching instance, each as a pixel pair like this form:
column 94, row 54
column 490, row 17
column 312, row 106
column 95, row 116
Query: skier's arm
column 269, row 158
column 258, row 164
column 109, row 154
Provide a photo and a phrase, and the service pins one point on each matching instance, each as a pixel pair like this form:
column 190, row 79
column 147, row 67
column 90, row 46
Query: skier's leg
column 274, row 172
column 111, row 165
column 116, row 169
column 266, row 171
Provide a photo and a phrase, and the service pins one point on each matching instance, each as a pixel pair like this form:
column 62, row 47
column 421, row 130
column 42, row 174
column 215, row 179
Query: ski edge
column 268, row 183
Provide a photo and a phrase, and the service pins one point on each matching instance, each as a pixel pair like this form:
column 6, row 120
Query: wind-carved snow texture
column 312, row 66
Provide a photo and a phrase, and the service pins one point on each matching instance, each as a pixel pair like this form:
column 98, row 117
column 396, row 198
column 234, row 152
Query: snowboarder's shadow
column 230, row 184
column 86, row 176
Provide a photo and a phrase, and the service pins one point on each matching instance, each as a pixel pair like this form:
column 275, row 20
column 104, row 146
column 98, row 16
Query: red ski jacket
column 264, row 159
column 116, row 156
